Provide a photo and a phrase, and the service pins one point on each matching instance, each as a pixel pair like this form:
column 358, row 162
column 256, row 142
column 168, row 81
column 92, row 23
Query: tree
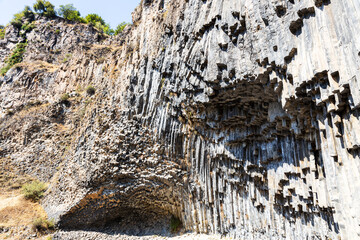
column 25, row 15
column 99, row 23
column 69, row 12
column 94, row 18
column 28, row 13
column 120, row 27
column 44, row 8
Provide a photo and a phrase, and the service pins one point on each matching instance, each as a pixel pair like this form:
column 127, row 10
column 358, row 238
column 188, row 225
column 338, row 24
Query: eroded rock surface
column 238, row 117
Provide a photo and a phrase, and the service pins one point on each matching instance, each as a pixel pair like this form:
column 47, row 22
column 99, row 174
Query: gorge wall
column 237, row 117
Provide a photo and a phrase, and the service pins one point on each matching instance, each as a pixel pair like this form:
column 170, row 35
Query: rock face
column 238, row 117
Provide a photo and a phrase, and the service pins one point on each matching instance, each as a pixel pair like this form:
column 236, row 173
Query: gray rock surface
column 238, row 117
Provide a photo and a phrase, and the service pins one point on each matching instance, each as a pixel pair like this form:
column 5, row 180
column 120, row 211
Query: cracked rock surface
column 238, row 117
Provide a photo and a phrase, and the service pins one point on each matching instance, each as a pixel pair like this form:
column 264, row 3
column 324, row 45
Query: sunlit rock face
column 239, row 117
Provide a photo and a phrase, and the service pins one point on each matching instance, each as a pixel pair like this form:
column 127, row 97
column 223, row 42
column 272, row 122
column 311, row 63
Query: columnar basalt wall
column 238, row 117
column 261, row 104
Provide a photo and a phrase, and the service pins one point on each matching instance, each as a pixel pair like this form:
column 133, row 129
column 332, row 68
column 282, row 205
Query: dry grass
column 9, row 181
column 39, row 65
column 18, row 214
column 33, row 110
column 16, row 211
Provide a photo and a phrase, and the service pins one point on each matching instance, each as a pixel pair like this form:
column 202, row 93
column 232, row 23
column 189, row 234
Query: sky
column 112, row 11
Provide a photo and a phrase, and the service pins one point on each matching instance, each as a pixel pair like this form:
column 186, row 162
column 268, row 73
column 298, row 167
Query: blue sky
column 112, row 11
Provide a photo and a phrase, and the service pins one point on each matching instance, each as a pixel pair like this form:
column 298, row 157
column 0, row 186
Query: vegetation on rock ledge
column 34, row 190
column 2, row 32
column 14, row 58
column 41, row 225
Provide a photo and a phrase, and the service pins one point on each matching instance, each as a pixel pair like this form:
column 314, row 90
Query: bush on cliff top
column 69, row 12
column 20, row 18
column 44, row 8
column 99, row 23
column 120, row 27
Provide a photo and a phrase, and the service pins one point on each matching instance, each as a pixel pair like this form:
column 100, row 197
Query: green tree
column 23, row 16
column 69, row 12
column 94, row 18
column 120, row 27
column 99, row 23
column 44, row 8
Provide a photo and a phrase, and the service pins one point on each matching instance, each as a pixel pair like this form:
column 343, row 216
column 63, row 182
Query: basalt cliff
column 238, row 117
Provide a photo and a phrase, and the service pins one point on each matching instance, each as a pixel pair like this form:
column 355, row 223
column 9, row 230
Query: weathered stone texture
column 238, row 117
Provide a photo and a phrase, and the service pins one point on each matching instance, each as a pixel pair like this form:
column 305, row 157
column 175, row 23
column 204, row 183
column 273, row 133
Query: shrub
column 41, row 224
column 90, row 90
column 99, row 23
column 15, row 57
column 120, row 27
column 2, row 32
column 69, row 12
column 4, row 70
column 94, row 18
column 26, row 15
column 64, row 98
column 34, row 190
column 44, row 8
column 175, row 224
column 28, row 27
column 67, row 56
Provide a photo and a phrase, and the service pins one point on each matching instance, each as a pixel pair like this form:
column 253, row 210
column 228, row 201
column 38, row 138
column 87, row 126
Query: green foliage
column 16, row 57
column 67, row 56
column 94, row 18
column 41, row 225
column 4, row 70
column 34, row 190
column 90, row 90
column 2, row 32
column 175, row 224
column 69, row 12
column 28, row 27
column 57, row 31
column 26, row 15
column 120, row 27
column 44, row 8
column 99, row 23
column 64, row 98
